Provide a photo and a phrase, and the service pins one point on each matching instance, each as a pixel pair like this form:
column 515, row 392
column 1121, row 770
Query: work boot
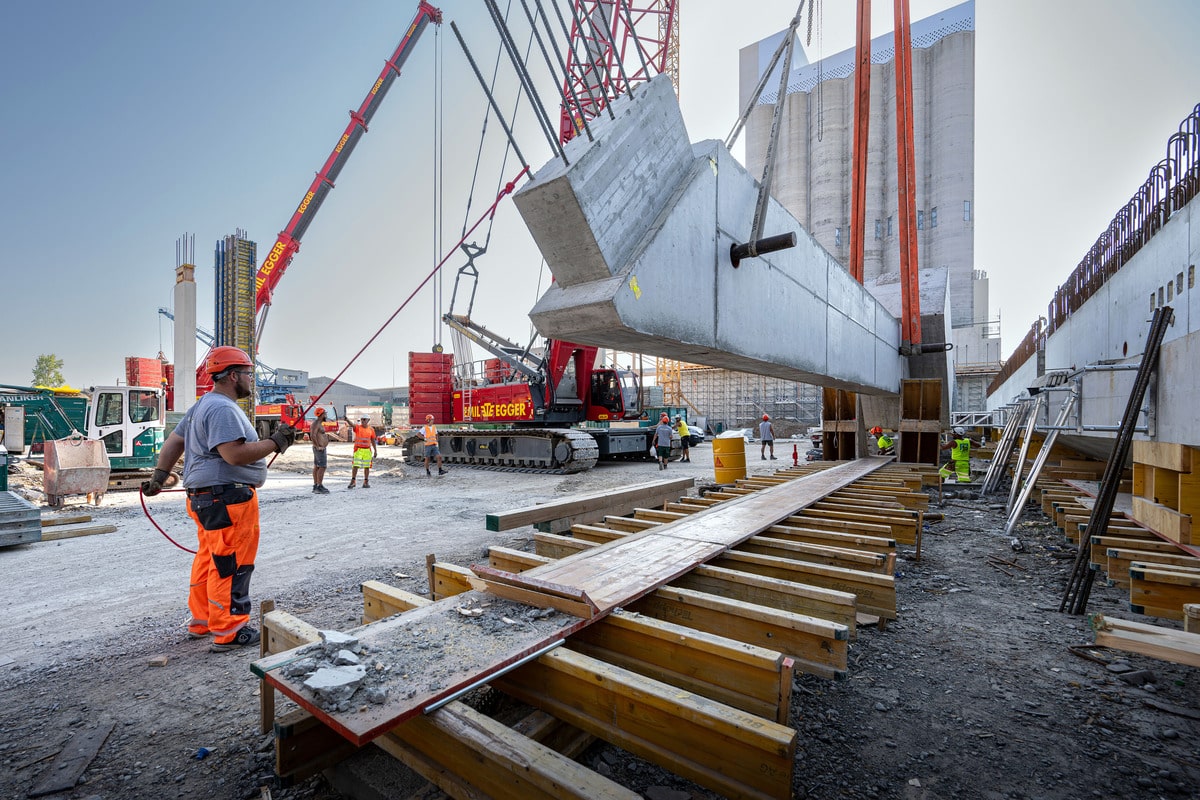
column 245, row 637
column 441, row 471
column 322, row 490
column 366, row 484
column 773, row 458
column 427, row 472
column 352, row 485
column 316, row 489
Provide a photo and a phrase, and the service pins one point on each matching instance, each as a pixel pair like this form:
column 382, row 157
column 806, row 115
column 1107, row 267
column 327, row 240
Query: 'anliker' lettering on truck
column 272, row 260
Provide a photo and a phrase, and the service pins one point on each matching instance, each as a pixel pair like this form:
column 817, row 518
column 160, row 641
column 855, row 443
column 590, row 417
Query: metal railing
column 1172, row 184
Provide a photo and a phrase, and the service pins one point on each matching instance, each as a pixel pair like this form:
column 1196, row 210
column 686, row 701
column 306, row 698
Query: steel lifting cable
column 507, row 190
column 438, row 178
column 483, row 132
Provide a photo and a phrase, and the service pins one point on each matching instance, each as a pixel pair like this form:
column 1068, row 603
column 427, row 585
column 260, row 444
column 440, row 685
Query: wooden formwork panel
column 1120, row 559
column 1180, row 647
column 590, row 507
column 876, row 594
column 1100, row 545
column 870, row 544
column 717, row 746
column 817, row 646
column 1162, row 592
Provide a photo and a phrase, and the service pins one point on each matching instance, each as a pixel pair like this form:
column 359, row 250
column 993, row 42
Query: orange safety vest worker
column 430, row 436
column 363, row 436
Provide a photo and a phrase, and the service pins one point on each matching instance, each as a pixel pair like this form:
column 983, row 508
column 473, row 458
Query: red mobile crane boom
column 288, row 243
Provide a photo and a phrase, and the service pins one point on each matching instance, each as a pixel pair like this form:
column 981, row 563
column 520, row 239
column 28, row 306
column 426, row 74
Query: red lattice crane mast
column 613, row 46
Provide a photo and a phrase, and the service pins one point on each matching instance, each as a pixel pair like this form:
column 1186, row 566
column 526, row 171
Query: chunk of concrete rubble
column 299, row 668
column 377, row 695
column 335, row 684
column 345, row 658
column 342, row 640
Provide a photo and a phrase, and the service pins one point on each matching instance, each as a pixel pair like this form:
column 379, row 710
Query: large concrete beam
column 637, row 231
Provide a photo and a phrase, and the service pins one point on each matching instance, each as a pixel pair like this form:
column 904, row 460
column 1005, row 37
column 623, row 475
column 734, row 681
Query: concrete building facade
column 812, row 177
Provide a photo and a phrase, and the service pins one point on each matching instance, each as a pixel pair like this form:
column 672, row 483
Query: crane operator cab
column 615, row 394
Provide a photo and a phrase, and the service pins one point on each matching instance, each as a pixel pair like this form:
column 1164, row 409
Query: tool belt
column 220, row 488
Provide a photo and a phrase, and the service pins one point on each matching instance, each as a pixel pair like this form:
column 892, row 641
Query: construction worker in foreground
column 884, row 441
column 431, row 446
column 766, row 432
column 224, row 462
column 684, row 437
column 365, row 452
column 960, row 454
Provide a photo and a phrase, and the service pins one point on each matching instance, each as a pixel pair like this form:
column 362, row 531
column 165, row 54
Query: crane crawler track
column 554, row 451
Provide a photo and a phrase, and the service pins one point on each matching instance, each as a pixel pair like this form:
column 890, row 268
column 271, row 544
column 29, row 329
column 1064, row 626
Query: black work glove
column 155, row 484
column 283, row 437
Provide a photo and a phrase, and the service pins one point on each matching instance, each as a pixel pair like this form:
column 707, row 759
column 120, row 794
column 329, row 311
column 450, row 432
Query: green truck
column 128, row 420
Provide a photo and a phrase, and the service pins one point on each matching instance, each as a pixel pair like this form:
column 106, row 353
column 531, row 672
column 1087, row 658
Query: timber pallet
column 694, row 673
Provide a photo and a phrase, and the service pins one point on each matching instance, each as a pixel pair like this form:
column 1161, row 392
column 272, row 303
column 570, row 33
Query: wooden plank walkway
column 616, row 573
column 434, row 653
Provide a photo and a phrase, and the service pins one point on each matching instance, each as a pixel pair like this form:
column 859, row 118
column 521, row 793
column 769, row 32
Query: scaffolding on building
column 730, row 400
column 236, row 264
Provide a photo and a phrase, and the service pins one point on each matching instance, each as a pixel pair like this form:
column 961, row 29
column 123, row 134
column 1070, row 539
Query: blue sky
column 128, row 124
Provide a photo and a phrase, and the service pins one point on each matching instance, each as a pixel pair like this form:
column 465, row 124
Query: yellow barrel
column 729, row 458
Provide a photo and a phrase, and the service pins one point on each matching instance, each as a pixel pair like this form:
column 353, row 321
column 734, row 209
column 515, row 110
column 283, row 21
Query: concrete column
column 185, row 337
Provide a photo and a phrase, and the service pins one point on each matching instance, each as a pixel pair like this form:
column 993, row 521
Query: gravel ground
column 972, row 693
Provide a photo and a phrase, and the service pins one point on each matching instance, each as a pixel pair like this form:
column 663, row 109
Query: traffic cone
column 795, row 456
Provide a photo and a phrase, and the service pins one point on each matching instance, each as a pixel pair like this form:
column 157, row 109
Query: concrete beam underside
column 637, row 231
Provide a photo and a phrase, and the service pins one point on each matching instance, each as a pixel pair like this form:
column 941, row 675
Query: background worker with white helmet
column 366, row 450
column 960, row 454
column 685, row 437
column 225, row 463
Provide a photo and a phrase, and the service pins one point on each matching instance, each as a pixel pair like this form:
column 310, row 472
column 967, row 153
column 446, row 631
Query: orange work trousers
column 227, row 526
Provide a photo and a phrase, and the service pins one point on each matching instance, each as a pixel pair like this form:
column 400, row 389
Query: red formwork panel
column 429, row 398
column 431, row 360
column 143, row 371
column 441, row 413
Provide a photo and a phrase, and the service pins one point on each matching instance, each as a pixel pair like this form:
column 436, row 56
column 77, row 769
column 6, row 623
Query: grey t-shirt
column 662, row 435
column 213, row 421
column 765, row 432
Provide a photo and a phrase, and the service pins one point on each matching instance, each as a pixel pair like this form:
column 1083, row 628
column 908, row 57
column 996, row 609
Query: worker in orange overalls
column 224, row 463
column 365, row 452
column 431, row 446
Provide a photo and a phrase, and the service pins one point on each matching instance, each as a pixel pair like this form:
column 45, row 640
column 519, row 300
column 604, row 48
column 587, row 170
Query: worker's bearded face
column 242, row 386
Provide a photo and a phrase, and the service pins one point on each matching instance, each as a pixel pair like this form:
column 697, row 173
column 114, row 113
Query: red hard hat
column 765, row 418
column 876, row 430
column 224, row 357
